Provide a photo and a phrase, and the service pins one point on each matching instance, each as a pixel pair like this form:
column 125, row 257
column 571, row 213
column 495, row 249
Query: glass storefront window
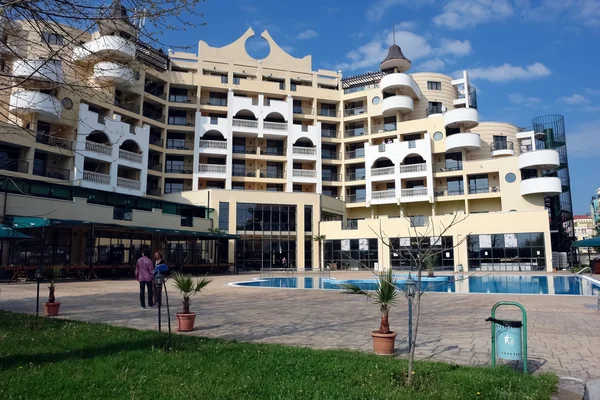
column 507, row 252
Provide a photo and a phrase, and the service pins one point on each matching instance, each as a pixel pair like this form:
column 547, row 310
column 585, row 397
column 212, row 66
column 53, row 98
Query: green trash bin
column 508, row 339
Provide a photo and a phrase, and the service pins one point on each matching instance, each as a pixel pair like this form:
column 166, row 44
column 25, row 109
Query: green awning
column 28, row 222
column 6, row 232
column 593, row 242
column 198, row 234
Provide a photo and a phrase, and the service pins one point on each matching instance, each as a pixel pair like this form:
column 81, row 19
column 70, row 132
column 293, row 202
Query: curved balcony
column 402, row 82
column 391, row 104
column 115, row 73
column 545, row 159
column 26, row 102
column 466, row 117
column 548, row 186
column 459, row 141
column 500, row 149
column 39, row 70
column 113, row 47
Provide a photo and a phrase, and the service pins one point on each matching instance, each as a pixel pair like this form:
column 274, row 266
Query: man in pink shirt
column 144, row 270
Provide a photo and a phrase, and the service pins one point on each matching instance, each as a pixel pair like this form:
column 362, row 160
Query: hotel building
column 157, row 148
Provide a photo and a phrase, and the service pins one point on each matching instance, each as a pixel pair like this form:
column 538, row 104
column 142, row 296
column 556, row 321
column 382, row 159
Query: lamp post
column 158, row 282
column 410, row 289
column 39, row 275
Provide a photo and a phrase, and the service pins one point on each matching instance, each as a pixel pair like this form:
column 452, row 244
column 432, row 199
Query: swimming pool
column 509, row 284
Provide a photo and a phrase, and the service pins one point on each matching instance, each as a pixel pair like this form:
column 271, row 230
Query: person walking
column 144, row 273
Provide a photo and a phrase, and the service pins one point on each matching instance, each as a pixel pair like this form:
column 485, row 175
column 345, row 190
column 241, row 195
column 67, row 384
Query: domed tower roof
column 117, row 21
column 117, row 11
column 395, row 59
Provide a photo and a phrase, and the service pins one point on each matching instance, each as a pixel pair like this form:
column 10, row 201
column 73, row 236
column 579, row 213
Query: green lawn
column 54, row 359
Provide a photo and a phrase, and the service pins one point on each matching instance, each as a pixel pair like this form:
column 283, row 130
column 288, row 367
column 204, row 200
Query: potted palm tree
column 430, row 263
column 52, row 307
column 188, row 287
column 385, row 297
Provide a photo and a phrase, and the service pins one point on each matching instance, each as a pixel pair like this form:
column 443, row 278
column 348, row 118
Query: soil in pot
column 384, row 343
column 51, row 309
column 185, row 322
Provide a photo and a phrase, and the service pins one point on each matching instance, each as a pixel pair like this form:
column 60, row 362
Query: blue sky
column 527, row 58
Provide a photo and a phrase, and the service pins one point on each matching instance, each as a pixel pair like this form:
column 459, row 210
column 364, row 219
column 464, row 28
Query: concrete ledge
column 592, row 390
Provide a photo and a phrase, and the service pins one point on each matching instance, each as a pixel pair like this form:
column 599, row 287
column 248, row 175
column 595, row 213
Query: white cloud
column 507, row 72
column 574, row 100
column 585, row 12
column 518, row 98
column 592, row 91
column 379, row 8
column 406, row 25
column 307, row 34
column 454, row 47
column 583, row 141
column 434, row 64
column 460, row 14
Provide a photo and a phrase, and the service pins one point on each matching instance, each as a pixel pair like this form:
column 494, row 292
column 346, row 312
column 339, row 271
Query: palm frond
column 201, row 284
column 350, row 288
column 386, row 293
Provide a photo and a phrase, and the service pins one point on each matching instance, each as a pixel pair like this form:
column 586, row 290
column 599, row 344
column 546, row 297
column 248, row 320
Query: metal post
column 410, row 310
column 37, row 304
column 524, row 331
column 168, row 315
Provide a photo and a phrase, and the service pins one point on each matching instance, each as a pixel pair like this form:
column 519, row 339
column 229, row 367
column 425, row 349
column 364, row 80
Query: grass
column 59, row 359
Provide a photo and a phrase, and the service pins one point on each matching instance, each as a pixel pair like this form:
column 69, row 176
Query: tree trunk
column 51, row 298
column 186, row 306
column 413, row 345
column 385, row 324
column 320, row 262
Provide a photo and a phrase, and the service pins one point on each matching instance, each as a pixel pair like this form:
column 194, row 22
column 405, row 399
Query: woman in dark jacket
column 158, row 260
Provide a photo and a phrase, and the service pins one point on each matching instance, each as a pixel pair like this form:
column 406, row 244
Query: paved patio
column 564, row 334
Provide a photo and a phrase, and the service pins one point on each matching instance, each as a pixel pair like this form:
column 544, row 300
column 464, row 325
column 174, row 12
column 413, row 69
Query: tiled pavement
column 564, row 335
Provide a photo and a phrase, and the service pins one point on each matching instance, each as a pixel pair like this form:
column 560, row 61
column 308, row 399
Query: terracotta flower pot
column 51, row 309
column 185, row 322
column 384, row 343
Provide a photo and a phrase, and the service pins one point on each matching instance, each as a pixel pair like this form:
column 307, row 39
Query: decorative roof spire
column 395, row 59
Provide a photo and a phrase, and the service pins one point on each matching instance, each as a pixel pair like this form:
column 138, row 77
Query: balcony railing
column 308, row 151
column 244, row 172
column 154, row 191
column 187, row 221
column 179, row 98
column 237, row 149
column 434, row 110
column 330, row 133
column 131, row 156
column 405, row 169
column 483, row 189
column 329, row 155
column 277, row 174
column 98, row 148
column 354, row 132
column 272, row 151
column 353, row 154
column 180, row 144
column 96, row 177
column 355, row 198
column 418, row 221
column 215, row 101
column 472, row 96
column 413, row 192
column 54, row 141
column 245, row 123
column 129, row 183
column 155, row 167
column 155, row 115
column 331, row 177
column 355, row 176
column 502, row 146
column 212, row 168
column 304, row 173
column 383, row 194
column 177, row 170
column 14, row 165
column 52, row 172
column 213, row 144
column 303, row 110
column 157, row 141
column 160, row 93
column 382, row 171
column 444, row 191
column 181, row 121
column 449, row 166
column 351, row 224
column 326, row 112
column 354, row 111
column 131, row 107
column 383, row 128
column 276, row 126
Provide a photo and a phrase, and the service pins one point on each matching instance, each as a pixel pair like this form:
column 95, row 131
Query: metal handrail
column 583, row 269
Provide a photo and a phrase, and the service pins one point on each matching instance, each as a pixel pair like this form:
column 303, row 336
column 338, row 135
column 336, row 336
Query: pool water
column 509, row 284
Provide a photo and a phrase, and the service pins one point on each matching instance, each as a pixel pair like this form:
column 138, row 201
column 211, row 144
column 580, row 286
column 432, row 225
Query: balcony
column 243, row 172
column 500, row 149
column 349, row 112
column 130, row 156
column 354, row 132
column 483, row 189
column 213, row 147
column 382, row 172
column 128, row 184
column 39, row 70
column 402, row 82
column 152, row 114
column 444, row 191
column 180, row 144
column 155, row 167
column 177, row 170
column 303, row 110
column 351, row 224
column 272, row 151
column 275, row 126
column 96, row 177
column 544, row 159
column 181, row 121
column 304, row 152
column 413, row 194
column 434, row 111
column 98, row 148
column 244, row 123
column 547, row 186
column 156, row 92
column 383, row 194
column 356, row 198
column 115, row 74
column 413, row 168
column 14, row 165
column 182, row 99
column 463, row 141
column 54, row 141
column 109, row 47
column 465, row 117
column 154, row 192
column 355, row 154
column 212, row 170
column 272, row 174
column 462, row 97
column 330, row 133
column 24, row 102
column 326, row 112
column 390, row 105
column 304, row 174
column 331, row 177
column 383, row 128
column 449, row 166
column 355, row 176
